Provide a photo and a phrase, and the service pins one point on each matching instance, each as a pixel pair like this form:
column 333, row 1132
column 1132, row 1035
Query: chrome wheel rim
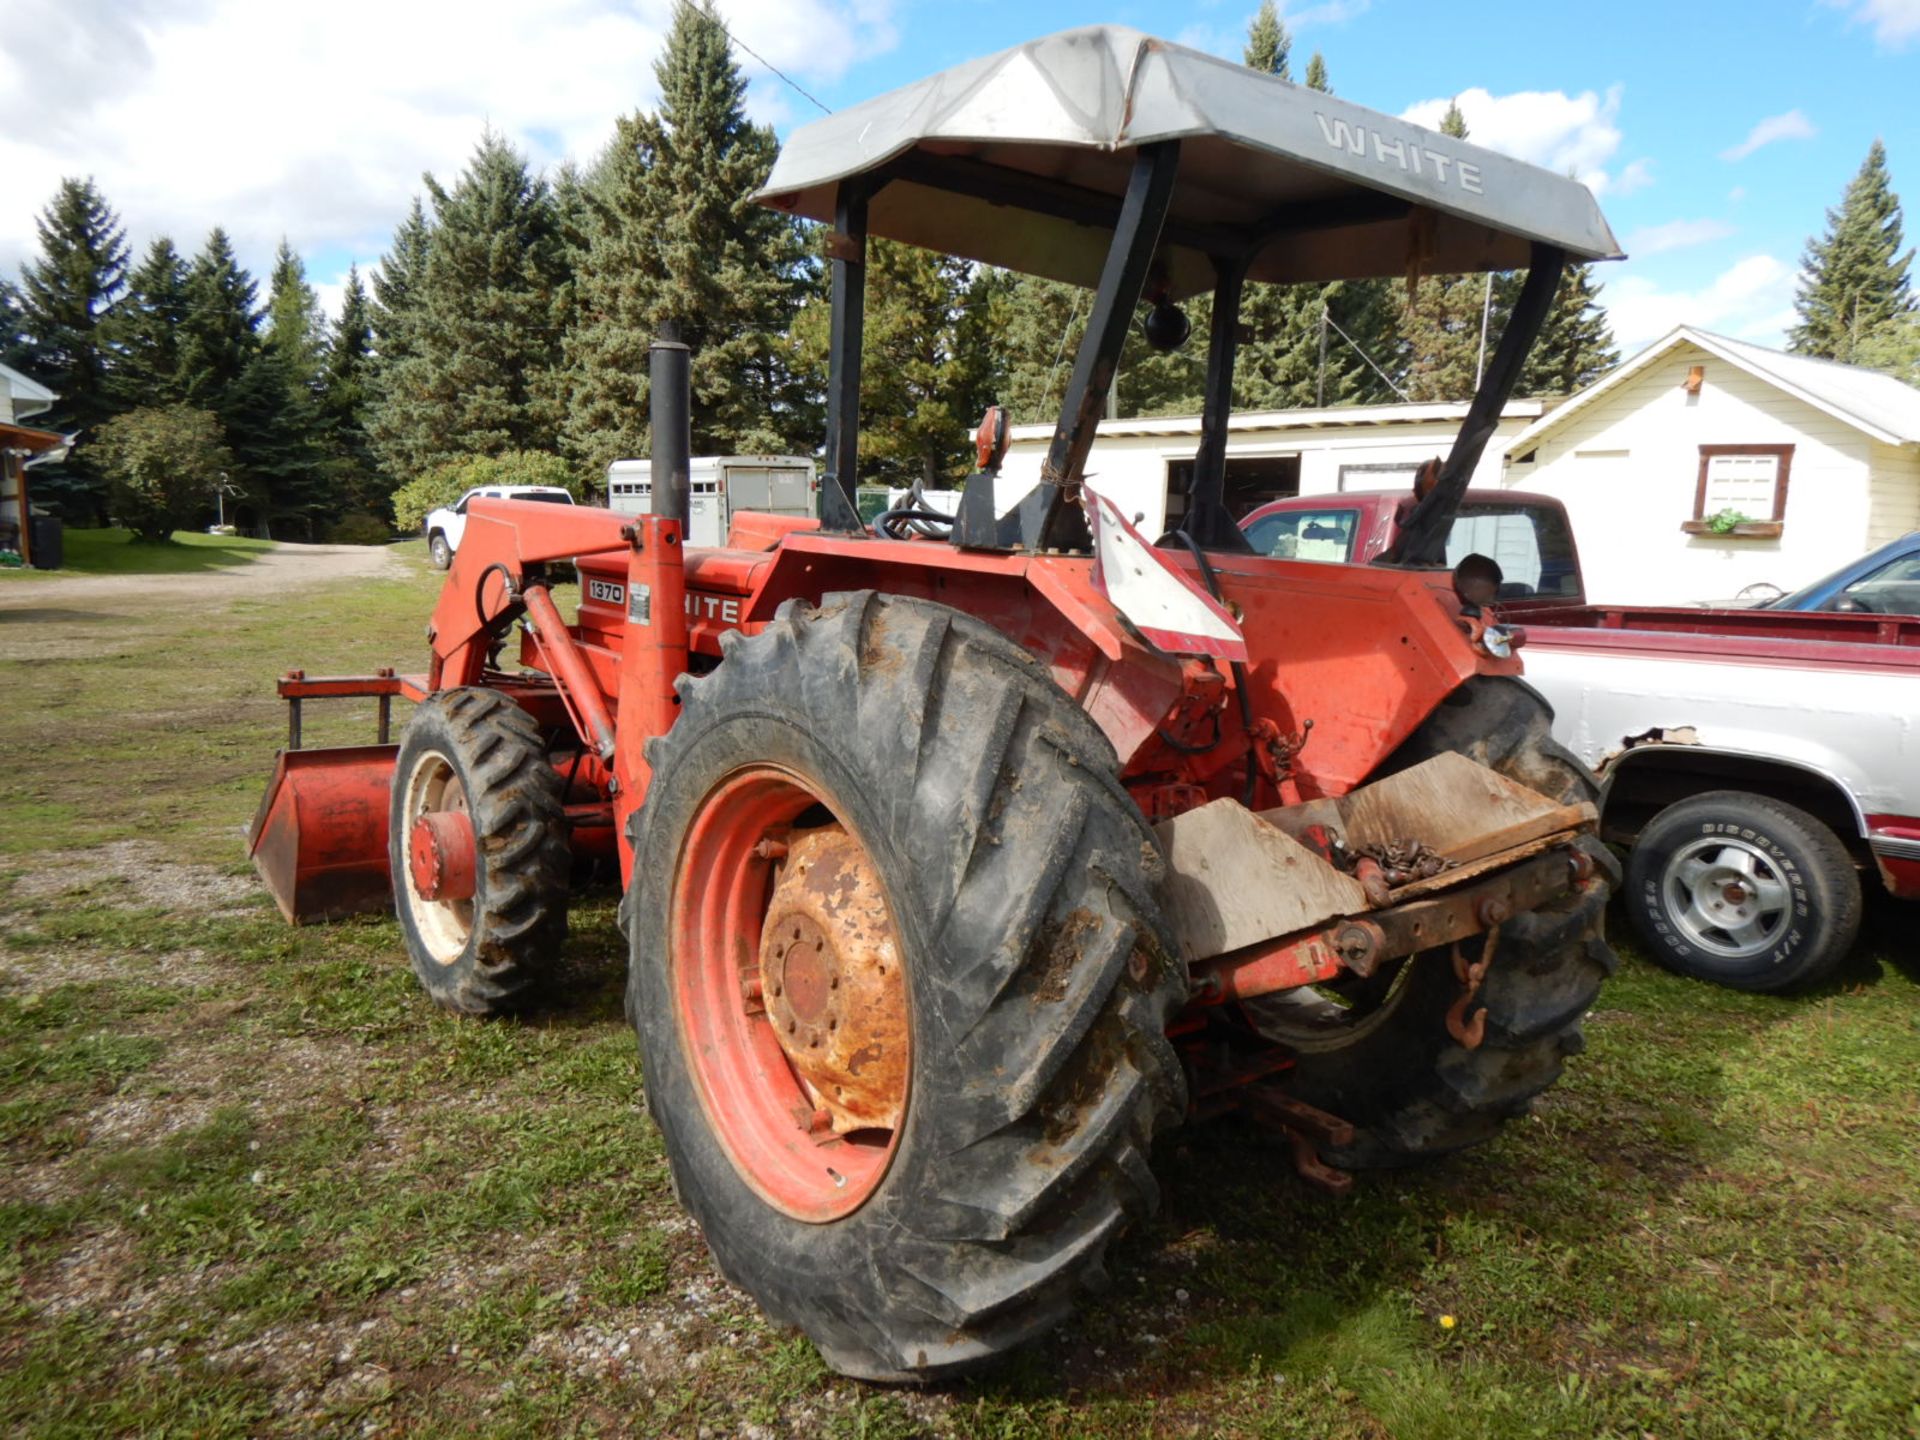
column 1728, row 897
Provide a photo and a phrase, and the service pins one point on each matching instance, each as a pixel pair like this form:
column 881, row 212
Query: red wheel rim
column 755, row 1101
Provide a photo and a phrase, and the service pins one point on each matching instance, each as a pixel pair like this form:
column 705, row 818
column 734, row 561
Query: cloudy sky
column 1715, row 134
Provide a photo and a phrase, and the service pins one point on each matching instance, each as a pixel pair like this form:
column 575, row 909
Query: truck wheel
column 477, row 846
column 1378, row 1053
column 438, row 551
column 901, row 983
column 1744, row 891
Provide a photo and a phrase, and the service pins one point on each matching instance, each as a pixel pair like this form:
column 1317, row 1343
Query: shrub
column 446, row 483
column 357, row 527
column 163, row 465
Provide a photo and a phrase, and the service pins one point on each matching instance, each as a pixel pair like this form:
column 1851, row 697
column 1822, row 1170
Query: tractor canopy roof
column 1315, row 187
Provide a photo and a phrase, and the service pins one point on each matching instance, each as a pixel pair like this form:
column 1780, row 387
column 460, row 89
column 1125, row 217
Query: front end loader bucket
column 319, row 839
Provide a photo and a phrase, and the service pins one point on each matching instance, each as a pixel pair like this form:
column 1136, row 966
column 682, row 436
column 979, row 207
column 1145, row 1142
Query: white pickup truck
column 1757, row 763
column 446, row 525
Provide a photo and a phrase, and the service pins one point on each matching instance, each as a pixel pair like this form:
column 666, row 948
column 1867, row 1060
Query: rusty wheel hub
column 832, row 982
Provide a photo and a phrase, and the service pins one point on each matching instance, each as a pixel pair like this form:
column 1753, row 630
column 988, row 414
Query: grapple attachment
column 319, row 839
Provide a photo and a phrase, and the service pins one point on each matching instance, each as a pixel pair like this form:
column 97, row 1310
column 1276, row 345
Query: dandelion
column 1447, row 1322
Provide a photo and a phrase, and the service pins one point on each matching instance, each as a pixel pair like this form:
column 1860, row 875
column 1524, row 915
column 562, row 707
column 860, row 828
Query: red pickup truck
column 1756, row 762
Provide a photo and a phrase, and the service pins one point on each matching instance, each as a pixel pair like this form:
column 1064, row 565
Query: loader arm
column 506, row 538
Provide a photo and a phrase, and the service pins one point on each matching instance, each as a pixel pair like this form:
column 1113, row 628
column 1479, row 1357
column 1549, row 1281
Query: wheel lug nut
column 771, row 849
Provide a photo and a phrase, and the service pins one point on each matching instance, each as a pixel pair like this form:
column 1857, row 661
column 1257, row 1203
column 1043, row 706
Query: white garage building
column 1144, row 465
column 1822, row 460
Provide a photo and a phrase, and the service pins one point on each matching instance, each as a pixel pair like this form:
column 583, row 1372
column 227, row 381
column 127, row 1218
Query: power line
column 768, row 63
column 1327, row 316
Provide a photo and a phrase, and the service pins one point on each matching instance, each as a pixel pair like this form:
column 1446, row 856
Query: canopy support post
column 847, row 252
column 1207, row 520
column 1423, row 539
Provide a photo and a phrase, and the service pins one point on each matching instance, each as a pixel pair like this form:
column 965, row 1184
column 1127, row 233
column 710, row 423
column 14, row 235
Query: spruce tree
column 480, row 342
column 221, row 329
column 16, row 346
column 295, row 326
column 148, row 329
column 1268, row 43
column 676, row 248
column 1575, row 346
column 66, row 301
column 397, row 287
column 1442, row 321
column 926, row 371
column 1317, row 74
column 347, row 391
column 1855, row 275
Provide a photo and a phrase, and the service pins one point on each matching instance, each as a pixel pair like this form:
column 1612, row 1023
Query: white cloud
column 1894, row 22
column 274, row 119
column 1568, row 133
column 1751, row 300
column 1676, row 235
column 1791, row 126
column 1637, row 175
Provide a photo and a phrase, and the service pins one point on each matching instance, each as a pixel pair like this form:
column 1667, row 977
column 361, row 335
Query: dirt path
column 283, row 568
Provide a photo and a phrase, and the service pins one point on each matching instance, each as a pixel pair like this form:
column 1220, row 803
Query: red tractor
column 958, row 866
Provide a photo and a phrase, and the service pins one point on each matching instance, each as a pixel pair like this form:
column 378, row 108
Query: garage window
column 1749, row 480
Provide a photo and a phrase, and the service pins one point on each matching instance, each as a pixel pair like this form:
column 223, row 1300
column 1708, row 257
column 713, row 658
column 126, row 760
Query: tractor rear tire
column 475, row 750
column 1408, row 1087
column 1020, row 879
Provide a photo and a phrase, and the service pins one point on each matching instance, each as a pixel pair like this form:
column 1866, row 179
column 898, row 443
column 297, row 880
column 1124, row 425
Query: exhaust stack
column 670, row 415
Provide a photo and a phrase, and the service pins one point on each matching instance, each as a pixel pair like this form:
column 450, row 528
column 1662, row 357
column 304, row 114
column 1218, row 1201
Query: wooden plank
column 1475, row 869
column 1448, row 803
column 1294, row 819
column 1234, row 880
column 1562, row 817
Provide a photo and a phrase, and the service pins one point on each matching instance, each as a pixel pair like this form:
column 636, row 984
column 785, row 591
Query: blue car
column 1884, row 582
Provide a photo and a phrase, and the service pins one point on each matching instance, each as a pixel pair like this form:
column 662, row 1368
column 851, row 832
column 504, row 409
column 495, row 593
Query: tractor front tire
column 475, row 752
column 1385, row 1061
column 980, row 805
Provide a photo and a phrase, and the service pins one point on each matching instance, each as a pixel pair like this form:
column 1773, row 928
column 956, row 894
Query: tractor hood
column 1316, row 187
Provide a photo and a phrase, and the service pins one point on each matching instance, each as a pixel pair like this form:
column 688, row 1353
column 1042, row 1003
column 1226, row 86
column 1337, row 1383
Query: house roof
column 1323, row 188
column 25, row 388
column 1259, row 421
column 1873, row 403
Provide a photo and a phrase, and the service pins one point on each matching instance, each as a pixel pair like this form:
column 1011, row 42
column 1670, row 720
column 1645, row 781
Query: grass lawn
column 116, row 552
column 253, row 1184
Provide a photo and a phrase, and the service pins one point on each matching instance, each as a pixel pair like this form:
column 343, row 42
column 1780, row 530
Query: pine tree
column 1317, row 74
column 480, row 338
column 1268, row 44
column 1443, row 320
column 1575, row 346
column 16, row 346
column 347, row 391
column 221, row 330
column 295, row 326
column 66, row 300
column 148, row 326
column 397, row 287
column 1855, row 275
column 677, row 249
column 926, row 370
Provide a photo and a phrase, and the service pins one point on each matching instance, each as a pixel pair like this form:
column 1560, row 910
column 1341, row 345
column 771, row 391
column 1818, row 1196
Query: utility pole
column 1320, row 393
column 1486, row 318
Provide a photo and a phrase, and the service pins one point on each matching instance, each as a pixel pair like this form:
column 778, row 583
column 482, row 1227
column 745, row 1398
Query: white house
column 1821, row 460
column 1144, row 465
column 19, row 398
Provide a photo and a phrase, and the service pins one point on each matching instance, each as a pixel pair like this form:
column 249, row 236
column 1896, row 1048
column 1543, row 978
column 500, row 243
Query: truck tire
column 985, row 839
column 1379, row 1054
column 438, row 551
column 1744, row 891
column 475, row 752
